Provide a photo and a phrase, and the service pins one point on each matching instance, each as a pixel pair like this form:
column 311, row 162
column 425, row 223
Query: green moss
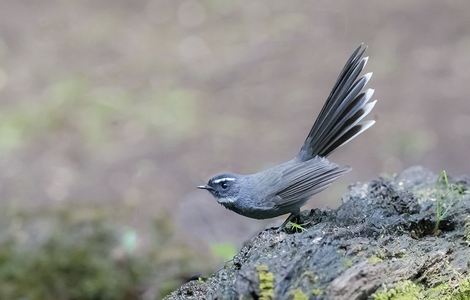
column 445, row 291
column 459, row 291
column 437, row 291
column 407, row 290
column 374, row 259
column 298, row 294
column 462, row 291
column 266, row 283
column 317, row 292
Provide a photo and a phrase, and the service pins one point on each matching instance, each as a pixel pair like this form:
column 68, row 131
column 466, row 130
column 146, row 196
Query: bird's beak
column 205, row 187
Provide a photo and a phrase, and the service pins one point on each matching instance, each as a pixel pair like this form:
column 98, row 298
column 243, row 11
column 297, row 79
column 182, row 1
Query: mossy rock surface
column 385, row 235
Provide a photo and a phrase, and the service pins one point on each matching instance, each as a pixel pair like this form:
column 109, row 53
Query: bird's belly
column 261, row 213
column 255, row 211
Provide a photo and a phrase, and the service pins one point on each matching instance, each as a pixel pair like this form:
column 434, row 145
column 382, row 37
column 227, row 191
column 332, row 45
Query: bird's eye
column 224, row 185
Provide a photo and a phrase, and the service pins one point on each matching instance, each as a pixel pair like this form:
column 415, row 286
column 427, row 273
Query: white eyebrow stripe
column 224, row 179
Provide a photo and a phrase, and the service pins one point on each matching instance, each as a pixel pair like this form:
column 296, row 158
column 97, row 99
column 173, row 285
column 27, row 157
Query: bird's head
column 224, row 187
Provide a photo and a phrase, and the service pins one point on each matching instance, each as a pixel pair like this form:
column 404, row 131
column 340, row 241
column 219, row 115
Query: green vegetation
column 374, row 259
column 85, row 255
column 317, row 292
column 294, row 227
column 298, row 294
column 266, row 283
column 407, row 290
column 446, row 195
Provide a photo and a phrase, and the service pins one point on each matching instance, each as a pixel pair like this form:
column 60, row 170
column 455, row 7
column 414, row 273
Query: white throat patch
column 226, row 200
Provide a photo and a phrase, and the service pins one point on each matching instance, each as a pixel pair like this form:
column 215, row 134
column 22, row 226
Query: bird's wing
column 304, row 179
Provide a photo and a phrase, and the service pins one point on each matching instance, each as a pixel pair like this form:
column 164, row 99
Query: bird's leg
column 292, row 225
column 289, row 218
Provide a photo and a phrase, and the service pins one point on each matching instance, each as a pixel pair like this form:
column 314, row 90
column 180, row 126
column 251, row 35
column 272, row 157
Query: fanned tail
column 341, row 118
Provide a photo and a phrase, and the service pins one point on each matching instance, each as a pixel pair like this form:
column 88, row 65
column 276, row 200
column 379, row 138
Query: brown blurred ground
column 130, row 104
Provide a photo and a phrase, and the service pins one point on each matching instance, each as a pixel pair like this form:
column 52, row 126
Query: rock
column 407, row 229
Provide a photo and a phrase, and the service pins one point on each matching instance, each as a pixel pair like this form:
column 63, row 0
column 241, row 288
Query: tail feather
column 340, row 119
column 342, row 86
column 353, row 116
column 351, row 134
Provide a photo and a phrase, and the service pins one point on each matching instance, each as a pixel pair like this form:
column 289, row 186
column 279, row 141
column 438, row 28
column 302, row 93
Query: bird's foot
column 292, row 224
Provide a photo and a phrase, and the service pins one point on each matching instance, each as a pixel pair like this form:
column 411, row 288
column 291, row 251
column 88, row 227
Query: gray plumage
column 286, row 187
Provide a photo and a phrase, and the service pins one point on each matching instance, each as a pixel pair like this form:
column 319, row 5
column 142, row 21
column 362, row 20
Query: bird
column 286, row 187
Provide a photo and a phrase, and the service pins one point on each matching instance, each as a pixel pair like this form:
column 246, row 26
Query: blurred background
column 111, row 112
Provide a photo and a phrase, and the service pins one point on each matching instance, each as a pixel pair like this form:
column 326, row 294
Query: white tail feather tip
column 365, row 59
column 369, row 94
column 368, row 107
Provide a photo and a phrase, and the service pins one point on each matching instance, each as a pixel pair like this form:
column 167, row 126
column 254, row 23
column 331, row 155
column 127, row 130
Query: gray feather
column 302, row 183
column 343, row 110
